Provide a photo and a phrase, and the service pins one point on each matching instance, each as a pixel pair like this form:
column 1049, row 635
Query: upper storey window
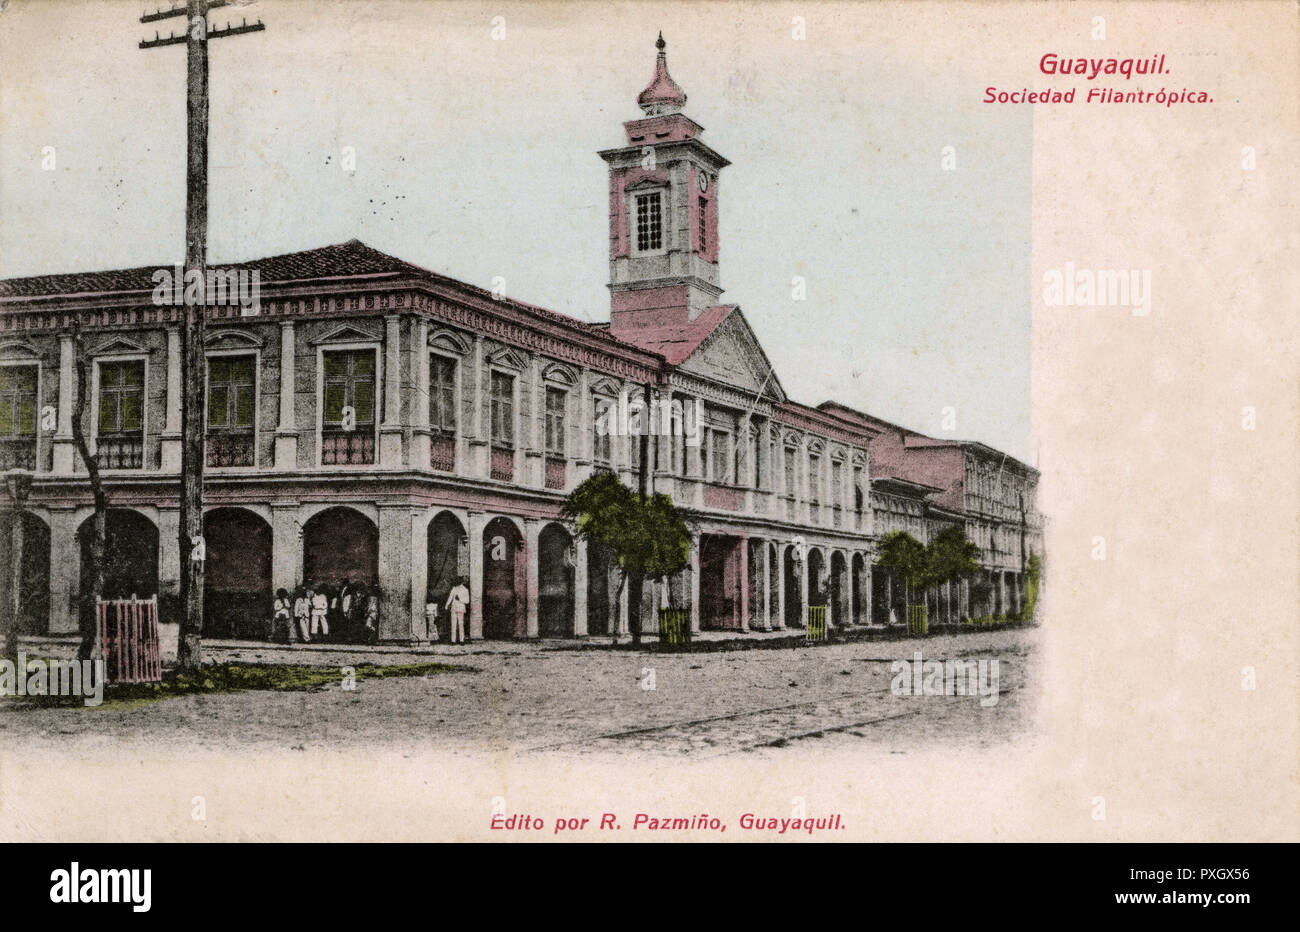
column 18, row 417
column 649, row 221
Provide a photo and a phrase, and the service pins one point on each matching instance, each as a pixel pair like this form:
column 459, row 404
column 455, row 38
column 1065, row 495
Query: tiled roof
column 676, row 342
column 353, row 259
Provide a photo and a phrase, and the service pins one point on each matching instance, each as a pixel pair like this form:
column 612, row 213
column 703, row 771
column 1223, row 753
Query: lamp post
column 19, row 483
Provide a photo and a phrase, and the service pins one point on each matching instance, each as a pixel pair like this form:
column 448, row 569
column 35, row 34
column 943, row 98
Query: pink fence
column 128, row 629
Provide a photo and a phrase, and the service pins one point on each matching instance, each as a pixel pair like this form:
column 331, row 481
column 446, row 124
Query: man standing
column 457, row 602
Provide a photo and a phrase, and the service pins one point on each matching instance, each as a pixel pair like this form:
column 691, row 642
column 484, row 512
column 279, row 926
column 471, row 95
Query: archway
column 448, row 553
column 857, row 599
column 839, row 590
column 130, row 558
column 720, row 571
column 340, row 543
column 793, row 590
column 555, row 582
column 34, row 611
column 816, row 582
column 237, row 592
column 503, row 580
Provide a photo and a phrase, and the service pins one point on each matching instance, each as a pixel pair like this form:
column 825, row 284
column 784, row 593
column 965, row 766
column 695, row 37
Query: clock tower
column 663, row 213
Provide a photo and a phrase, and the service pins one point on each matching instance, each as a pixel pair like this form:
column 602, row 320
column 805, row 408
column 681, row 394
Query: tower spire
column 662, row 95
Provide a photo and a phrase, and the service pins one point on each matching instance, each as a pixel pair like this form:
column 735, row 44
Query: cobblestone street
column 542, row 698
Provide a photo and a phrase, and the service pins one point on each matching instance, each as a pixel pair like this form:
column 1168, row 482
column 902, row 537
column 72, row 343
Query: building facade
column 374, row 422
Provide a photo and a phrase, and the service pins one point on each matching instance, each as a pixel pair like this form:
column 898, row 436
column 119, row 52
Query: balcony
column 18, row 453
column 442, row 453
column 556, row 472
column 346, row 448
column 502, row 467
column 231, row 448
column 120, row 451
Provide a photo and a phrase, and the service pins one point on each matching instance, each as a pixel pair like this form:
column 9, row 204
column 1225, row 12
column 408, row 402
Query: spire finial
column 662, row 95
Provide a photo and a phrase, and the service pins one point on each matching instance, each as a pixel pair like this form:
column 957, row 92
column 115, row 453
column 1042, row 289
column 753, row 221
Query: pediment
column 348, row 333
column 231, row 339
column 731, row 354
column 118, row 345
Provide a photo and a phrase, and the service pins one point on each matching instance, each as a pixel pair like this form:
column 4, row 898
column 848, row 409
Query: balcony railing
column 555, row 472
column 231, row 448
column 17, row 453
column 120, row 452
column 442, row 453
column 347, row 448
column 503, row 464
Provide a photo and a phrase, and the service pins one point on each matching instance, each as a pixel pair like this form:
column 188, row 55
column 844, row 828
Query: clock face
column 704, row 182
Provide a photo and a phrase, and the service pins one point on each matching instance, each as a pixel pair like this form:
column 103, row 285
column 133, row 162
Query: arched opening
column 720, row 571
column 816, row 578
column 793, row 590
column 34, row 592
column 503, row 580
column 602, row 586
column 130, row 558
column 857, row 599
column 555, row 582
column 237, row 592
column 337, row 544
column 448, row 552
column 839, row 589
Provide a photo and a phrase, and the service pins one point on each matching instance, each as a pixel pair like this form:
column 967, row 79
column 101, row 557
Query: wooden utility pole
column 193, row 363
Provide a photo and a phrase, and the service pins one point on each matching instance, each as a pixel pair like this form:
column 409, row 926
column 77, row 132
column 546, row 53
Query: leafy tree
column 1033, row 579
column 904, row 556
column 950, row 557
column 646, row 534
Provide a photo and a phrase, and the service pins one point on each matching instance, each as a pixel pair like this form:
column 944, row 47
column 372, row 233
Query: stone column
column 65, row 447
column 765, row 581
column 171, row 433
column 394, row 572
column 580, row 587
column 534, row 440
column 169, row 558
column 477, row 522
column 779, row 621
column 695, row 582
column 390, row 430
column 65, row 568
column 583, row 444
column 806, row 595
column 532, row 554
column 419, row 582
column 478, row 439
column 420, row 398
column 621, row 618
column 286, row 431
column 742, row 553
column 286, row 546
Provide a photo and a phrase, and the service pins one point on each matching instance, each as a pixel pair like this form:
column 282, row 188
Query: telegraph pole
column 193, row 368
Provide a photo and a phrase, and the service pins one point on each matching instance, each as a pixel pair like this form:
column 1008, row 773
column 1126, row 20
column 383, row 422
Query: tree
column 950, row 557
column 903, row 556
column 646, row 534
column 92, row 647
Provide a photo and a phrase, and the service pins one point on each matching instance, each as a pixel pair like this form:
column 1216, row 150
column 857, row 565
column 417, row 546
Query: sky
column 476, row 157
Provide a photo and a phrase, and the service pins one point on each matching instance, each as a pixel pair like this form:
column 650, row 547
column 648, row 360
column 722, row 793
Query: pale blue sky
column 477, row 158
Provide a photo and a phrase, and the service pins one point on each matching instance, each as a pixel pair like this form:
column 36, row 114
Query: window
column 348, row 416
column 649, row 222
column 555, row 409
column 600, row 447
column 814, row 478
column 719, row 455
column 837, row 482
column 857, row 488
column 18, row 417
column 120, row 432
column 442, row 396
column 704, row 224
column 231, row 401
column 787, row 467
column 503, row 409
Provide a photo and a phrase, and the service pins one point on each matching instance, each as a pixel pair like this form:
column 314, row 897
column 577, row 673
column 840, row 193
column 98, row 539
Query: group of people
column 347, row 612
